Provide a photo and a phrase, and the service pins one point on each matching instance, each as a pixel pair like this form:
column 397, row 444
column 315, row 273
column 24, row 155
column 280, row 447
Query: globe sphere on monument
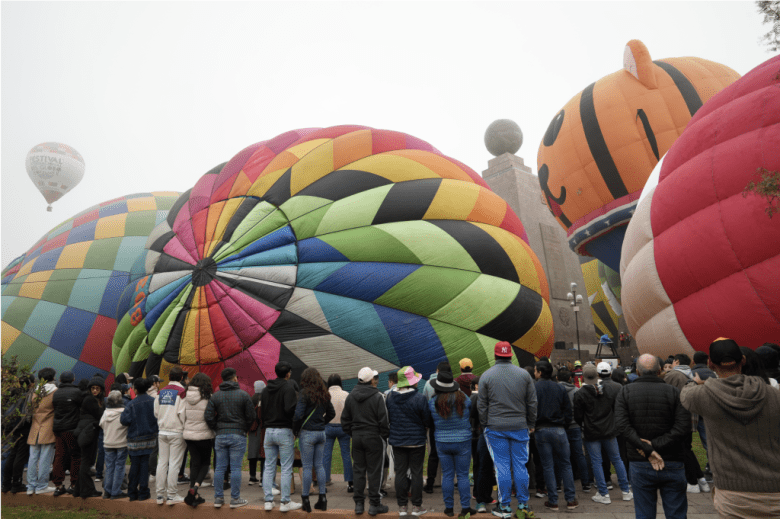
column 503, row 136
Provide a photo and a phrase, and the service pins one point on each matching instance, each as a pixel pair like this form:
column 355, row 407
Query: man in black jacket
column 365, row 419
column 278, row 403
column 67, row 408
column 553, row 417
column 649, row 414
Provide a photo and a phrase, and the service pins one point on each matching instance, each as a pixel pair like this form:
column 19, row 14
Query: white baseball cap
column 367, row 374
column 604, row 368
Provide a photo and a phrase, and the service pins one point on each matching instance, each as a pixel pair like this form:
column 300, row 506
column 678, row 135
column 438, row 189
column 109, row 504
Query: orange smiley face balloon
column 600, row 148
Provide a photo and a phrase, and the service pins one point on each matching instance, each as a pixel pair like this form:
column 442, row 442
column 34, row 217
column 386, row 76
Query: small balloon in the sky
column 55, row 169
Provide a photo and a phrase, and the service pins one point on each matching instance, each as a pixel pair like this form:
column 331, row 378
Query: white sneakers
column 628, row 496
column 275, row 492
column 173, row 500
column 604, row 500
column 694, row 489
column 290, row 506
column 52, row 489
column 269, row 505
column 703, row 485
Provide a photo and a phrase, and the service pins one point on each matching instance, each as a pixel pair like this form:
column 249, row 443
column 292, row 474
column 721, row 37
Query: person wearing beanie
column 648, row 413
column 743, row 434
column 255, row 436
column 365, row 419
column 408, row 415
column 466, row 376
column 86, row 433
column 507, row 407
column 67, row 405
column 450, row 409
column 594, row 411
column 433, row 455
column 115, row 445
column 41, row 439
column 142, row 432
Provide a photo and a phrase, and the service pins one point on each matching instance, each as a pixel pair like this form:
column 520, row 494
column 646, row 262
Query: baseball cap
column 466, row 363
column 725, row 350
column 604, row 368
column 367, row 374
column 590, row 374
column 503, row 349
column 577, row 363
column 407, row 377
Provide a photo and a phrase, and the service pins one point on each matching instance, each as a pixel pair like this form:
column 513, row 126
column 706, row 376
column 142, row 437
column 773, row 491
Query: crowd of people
column 525, row 431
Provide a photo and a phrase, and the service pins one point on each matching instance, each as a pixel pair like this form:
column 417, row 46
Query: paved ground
column 340, row 504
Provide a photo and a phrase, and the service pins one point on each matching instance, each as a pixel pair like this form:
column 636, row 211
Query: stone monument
column 509, row 177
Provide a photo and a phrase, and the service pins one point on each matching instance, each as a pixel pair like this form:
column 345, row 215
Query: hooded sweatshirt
column 365, row 412
column 743, row 431
column 571, row 390
column 278, row 402
column 191, row 415
column 166, row 409
column 114, row 433
column 594, row 410
column 679, row 376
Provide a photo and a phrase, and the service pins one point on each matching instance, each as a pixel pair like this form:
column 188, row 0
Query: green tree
column 766, row 184
column 14, row 387
column 771, row 12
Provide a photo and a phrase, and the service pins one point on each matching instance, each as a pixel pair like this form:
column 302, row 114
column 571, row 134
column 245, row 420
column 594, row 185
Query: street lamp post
column 575, row 301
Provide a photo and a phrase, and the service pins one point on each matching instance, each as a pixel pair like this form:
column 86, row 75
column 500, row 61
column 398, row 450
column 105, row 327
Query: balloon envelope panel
column 60, row 299
column 600, row 148
column 604, row 306
column 336, row 248
column 702, row 259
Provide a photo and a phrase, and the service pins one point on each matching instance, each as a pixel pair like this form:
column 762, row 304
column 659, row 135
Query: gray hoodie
column 570, row 390
column 506, row 398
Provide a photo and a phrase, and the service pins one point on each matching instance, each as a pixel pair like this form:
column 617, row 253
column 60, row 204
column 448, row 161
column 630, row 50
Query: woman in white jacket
column 115, row 445
column 197, row 434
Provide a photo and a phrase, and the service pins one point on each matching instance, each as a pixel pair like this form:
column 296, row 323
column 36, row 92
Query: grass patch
column 36, row 512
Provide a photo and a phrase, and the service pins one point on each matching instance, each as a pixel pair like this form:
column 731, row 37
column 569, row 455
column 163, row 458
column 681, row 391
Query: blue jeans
column 39, row 466
column 232, row 447
column 611, row 446
column 553, row 444
column 671, row 483
column 101, row 456
column 509, row 450
column 455, row 459
column 278, row 444
column 138, row 479
column 115, row 470
column 312, row 443
column 575, row 447
column 334, row 432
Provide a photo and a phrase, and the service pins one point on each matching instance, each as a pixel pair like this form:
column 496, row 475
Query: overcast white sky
column 155, row 94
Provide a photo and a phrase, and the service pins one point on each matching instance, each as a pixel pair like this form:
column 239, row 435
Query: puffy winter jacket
column 650, row 409
column 365, row 412
column 455, row 428
column 67, row 407
column 230, row 410
column 409, row 415
column 114, row 433
column 192, row 416
column 594, row 411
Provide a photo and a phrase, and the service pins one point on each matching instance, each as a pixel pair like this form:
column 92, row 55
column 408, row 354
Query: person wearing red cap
column 743, row 434
column 507, row 411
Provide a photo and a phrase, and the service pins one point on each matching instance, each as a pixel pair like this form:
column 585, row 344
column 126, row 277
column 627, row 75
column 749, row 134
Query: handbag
column 301, row 427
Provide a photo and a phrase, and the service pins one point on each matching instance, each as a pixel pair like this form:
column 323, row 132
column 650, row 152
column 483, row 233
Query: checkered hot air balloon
column 61, row 298
column 336, row 248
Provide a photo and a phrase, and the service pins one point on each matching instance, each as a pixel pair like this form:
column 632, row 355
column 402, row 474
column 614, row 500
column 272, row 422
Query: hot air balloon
column 336, row 248
column 604, row 305
column 55, row 169
column 600, row 148
column 60, row 299
column 701, row 260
